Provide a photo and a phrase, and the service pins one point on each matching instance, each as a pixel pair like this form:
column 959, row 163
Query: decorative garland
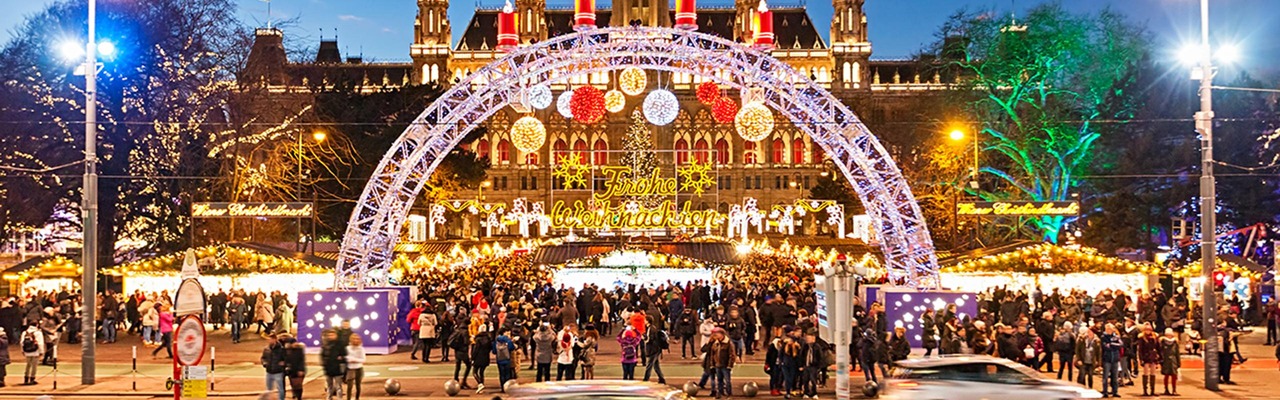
column 226, row 260
column 1052, row 259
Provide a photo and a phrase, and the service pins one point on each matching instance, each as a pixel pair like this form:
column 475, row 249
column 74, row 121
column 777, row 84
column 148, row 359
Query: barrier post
column 213, row 365
column 134, row 372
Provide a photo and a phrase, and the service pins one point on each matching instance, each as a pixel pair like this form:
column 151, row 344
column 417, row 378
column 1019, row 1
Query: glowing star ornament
column 571, row 170
column 632, row 81
column 661, row 107
column 724, row 110
column 614, row 101
column 562, row 104
column 696, row 177
column 708, row 92
column 754, row 122
column 587, row 105
column 538, row 97
column 528, row 134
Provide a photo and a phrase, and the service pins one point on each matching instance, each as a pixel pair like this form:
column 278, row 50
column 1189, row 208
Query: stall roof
column 1243, row 262
column 570, row 251
column 32, row 264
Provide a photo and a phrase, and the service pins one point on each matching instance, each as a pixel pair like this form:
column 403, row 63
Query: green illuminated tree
column 639, row 153
column 1035, row 89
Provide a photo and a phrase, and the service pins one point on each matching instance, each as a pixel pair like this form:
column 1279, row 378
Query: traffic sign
column 189, row 341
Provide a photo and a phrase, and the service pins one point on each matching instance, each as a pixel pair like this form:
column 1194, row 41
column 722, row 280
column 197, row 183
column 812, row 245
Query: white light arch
column 374, row 227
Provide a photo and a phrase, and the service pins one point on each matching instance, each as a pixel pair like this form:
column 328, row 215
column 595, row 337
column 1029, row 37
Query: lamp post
column 1208, row 225
column 89, row 204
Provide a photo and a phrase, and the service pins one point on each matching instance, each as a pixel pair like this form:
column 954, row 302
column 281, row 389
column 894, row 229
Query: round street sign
column 189, row 339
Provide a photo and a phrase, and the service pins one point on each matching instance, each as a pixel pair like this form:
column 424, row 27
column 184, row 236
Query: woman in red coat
column 1148, row 347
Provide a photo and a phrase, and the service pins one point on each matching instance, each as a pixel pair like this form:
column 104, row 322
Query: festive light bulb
column 661, row 107
column 538, row 97
column 587, row 105
column 708, row 92
column 528, row 134
column 614, row 101
column 724, row 110
column 754, row 122
column 686, row 14
column 632, row 81
column 562, row 104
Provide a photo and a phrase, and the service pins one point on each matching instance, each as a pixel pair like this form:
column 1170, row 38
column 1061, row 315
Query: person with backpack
column 503, row 348
column 655, row 342
column 629, row 342
column 32, row 349
column 273, row 363
column 460, row 342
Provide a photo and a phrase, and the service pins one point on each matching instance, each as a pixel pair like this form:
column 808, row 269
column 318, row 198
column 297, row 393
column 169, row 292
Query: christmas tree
column 640, row 155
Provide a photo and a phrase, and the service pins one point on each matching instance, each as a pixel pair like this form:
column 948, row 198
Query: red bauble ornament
column 724, row 110
column 708, row 92
column 587, row 105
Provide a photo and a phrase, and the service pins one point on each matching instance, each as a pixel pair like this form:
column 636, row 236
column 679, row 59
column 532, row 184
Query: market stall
column 247, row 266
column 46, row 273
column 1029, row 265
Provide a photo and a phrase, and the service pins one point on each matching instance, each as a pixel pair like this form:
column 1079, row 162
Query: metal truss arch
column 375, row 223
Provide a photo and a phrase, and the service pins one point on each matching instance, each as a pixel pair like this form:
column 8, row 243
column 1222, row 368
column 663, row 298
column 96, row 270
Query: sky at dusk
column 382, row 29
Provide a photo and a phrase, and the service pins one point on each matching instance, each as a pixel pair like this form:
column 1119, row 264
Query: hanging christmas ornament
column 708, row 92
column 528, row 134
column 686, row 14
column 538, row 97
column 632, row 81
column 507, row 38
column 587, row 105
column 724, row 110
column 754, row 122
column 614, row 101
column 584, row 16
column 562, row 105
column 661, row 107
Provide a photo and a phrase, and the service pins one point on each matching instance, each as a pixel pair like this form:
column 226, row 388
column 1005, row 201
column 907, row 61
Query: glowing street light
column 957, row 135
column 319, row 136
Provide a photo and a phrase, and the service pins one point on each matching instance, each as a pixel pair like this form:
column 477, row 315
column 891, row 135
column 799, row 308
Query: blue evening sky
column 382, row 29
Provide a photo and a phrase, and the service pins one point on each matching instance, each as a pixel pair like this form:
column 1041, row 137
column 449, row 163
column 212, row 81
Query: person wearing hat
column 720, row 361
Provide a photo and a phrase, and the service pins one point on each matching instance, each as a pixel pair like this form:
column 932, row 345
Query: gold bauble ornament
column 528, row 134
column 632, row 81
column 754, row 122
column 614, row 101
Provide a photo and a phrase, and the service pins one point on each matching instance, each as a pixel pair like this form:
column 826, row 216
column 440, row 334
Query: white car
column 975, row 378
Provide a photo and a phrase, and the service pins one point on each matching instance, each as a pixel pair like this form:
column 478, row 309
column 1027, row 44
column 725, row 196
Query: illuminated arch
column 375, row 223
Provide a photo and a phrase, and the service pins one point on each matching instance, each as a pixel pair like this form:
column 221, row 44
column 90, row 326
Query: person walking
column 4, row 355
column 460, row 342
column 355, row 366
column 629, row 343
column 686, row 327
column 333, row 358
column 588, row 343
column 481, row 348
column 32, row 349
column 1170, row 360
column 1064, row 343
column 273, row 364
column 503, row 350
column 238, row 314
column 544, row 349
column 284, row 317
column 1149, row 356
column 566, row 357
column 295, row 363
column 720, row 359
column 166, row 332
column 263, row 313
column 415, row 328
column 1112, row 349
column 1088, row 355
column 656, row 341
column 427, row 333
column 151, row 325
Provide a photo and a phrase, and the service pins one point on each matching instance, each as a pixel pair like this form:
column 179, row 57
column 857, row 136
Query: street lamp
column 958, row 135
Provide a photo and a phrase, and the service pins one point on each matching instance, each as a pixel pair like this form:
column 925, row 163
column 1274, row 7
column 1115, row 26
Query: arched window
column 435, row 72
column 504, row 151
column 847, row 72
column 779, row 151
column 857, row 72
column 601, row 155
column 749, row 152
column 580, row 147
column 531, row 159
column 797, row 151
column 682, row 151
column 722, row 152
column 700, row 151
column 559, row 150
column 426, row 74
column 482, row 148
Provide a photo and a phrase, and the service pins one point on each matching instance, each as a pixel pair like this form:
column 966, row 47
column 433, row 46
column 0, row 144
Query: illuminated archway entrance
column 374, row 227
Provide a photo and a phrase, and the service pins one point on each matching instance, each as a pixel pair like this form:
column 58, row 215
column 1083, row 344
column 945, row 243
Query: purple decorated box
column 902, row 307
column 372, row 314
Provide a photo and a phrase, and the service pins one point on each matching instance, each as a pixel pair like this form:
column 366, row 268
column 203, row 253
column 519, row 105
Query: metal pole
column 89, row 205
column 842, row 322
column 1208, row 225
